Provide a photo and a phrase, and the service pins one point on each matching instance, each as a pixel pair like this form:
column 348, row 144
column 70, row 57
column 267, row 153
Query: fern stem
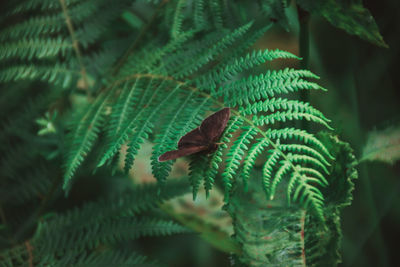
column 75, row 45
column 302, row 231
column 304, row 50
column 29, row 248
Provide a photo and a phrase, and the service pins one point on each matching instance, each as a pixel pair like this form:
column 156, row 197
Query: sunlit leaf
column 383, row 146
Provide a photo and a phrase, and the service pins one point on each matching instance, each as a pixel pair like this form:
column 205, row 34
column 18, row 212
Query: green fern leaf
column 84, row 135
column 216, row 158
column 235, row 155
column 144, row 127
column 181, row 121
column 250, row 159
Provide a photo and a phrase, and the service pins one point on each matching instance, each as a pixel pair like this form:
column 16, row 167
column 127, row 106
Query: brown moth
column 203, row 138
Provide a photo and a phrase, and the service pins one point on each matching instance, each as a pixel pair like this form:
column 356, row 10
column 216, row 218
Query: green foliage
column 98, row 226
column 35, row 232
column 271, row 234
column 158, row 87
column 350, row 16
column 147, row 103
column 45, row 45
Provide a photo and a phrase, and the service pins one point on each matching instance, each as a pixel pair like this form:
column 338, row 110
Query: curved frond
column 215, row 160
column 84, row 135
column 235, row 156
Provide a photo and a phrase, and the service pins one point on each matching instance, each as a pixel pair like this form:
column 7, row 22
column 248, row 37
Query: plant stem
column 373, row 223
column 304, row 50
column 75, row 45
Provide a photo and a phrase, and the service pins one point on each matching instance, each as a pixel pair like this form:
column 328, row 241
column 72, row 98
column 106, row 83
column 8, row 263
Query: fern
column 163, row 98
column 105, row 222
column 254, row 96
column 210, row 175
column 87, row 131
column 189, row 59
column 42, row 46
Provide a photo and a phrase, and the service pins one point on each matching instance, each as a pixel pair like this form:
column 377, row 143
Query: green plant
column 100, row 92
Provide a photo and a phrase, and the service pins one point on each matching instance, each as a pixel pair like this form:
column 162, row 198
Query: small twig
column 302, row 236
column 75, row 45
column 304, row 50
column 29, row 248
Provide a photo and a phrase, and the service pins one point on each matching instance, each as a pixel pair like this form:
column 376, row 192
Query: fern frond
column 279, row 116
column 250, row 159
column 108, row 232
column 199, row 15
column 309, row 195
column 254, row 88
column 294, row 109
column 193, row 64
column 141, row 198
column 33, row 27
column 48, row 46
column 302, row 149
column 268, row 170
column 237, row 65
column 211, row 172
column 147, row 99
column 124, row 107
column 84, row 135
column 284, row 167
column 30, row 5
column 180, row 121
column 305, row 159
column 144, row 127
column 58, row 74
column 216, row 13
column 97, row 21
column 154, row 59
column 172, row 62
column 176, row 27
column 197, row 168
column 107, row 257
column 300, row 135
column 235, row 156
column 34, row 48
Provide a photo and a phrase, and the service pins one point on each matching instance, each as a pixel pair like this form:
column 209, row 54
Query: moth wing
column 214, row 125
column 174, row 154
column 193, row 138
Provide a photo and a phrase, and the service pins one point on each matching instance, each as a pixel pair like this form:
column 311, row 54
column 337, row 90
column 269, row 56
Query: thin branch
column 302, row 236
column 304, row 48
column 75, row 45
column 29, row 248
